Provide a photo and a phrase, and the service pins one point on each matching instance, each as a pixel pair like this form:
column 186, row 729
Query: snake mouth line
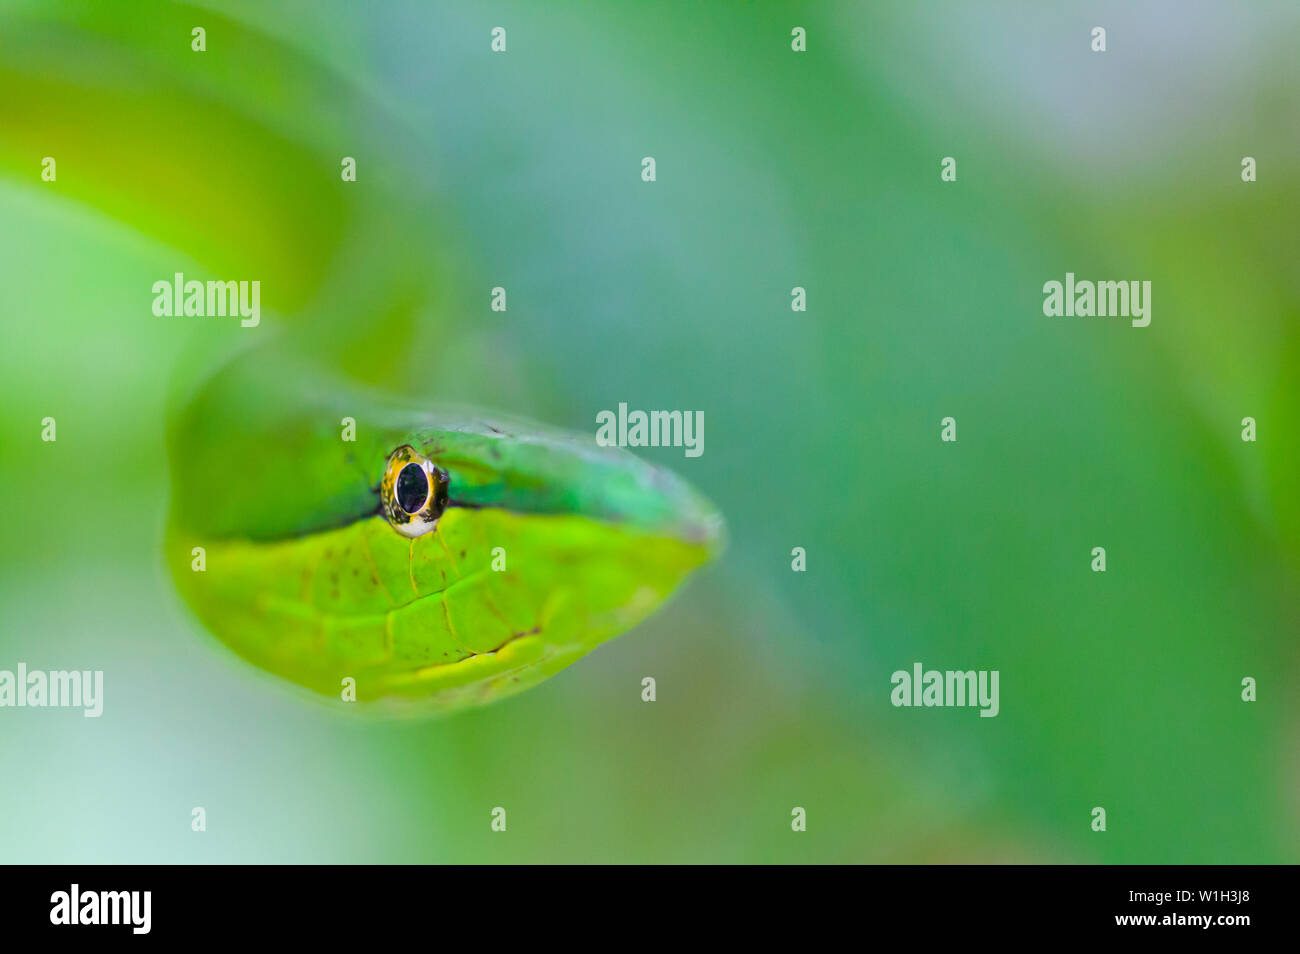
column 289, row 607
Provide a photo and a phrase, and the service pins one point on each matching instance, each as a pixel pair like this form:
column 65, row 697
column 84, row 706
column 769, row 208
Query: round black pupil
column 412, row 488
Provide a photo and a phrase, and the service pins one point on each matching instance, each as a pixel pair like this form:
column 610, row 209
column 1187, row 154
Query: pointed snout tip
column 701, row 526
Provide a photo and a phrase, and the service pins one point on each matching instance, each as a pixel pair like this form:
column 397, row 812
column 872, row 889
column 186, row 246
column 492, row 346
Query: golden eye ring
column 414, row 492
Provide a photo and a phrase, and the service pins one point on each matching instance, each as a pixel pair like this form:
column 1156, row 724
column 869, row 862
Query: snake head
column 524, row 548
column 438, row 560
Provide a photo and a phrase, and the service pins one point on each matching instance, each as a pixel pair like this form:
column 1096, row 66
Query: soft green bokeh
column 775, row 169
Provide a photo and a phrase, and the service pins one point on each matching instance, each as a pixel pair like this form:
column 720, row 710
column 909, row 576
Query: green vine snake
column 441, row 558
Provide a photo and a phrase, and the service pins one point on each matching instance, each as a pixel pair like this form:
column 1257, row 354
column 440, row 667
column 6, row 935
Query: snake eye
column 414, row 492
column 412, row 488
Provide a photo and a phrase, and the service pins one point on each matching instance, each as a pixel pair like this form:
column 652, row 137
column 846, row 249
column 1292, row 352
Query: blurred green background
column 775, row 169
